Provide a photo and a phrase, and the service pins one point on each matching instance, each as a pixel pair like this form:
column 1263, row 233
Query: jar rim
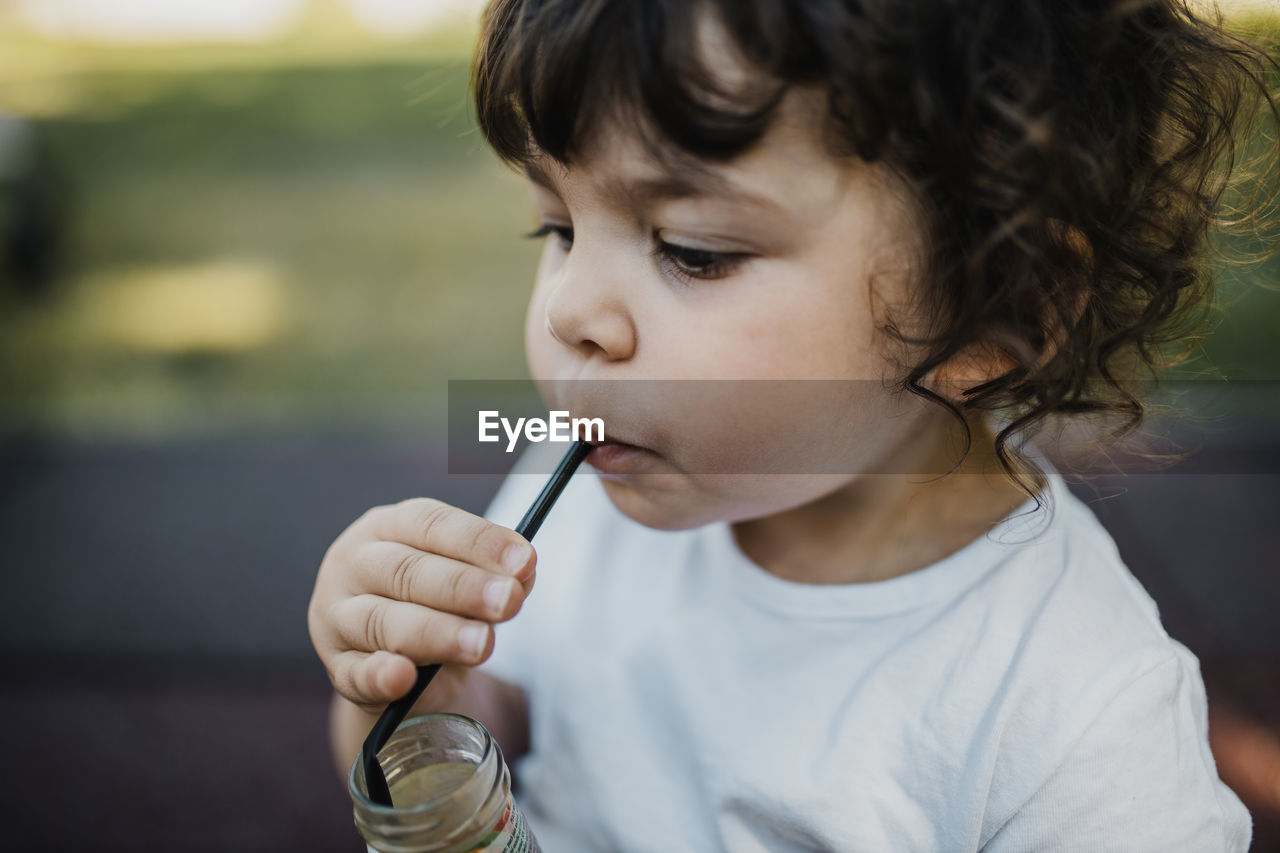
column 360, row 792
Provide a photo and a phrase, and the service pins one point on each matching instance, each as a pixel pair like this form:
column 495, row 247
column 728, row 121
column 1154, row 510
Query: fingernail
column 515, row 557
column 473, row 639
column 380, row 679
column 498, row 593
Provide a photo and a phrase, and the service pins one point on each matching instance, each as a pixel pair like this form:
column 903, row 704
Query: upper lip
column 608, row 439
column 610, row 415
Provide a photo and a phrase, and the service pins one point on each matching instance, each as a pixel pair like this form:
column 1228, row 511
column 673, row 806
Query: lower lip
column 617, row 459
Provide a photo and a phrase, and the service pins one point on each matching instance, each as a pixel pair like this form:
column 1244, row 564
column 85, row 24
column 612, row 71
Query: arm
column 1140, row 779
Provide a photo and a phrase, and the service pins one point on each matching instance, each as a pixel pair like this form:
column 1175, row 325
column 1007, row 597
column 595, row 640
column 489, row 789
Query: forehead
column 627, row 162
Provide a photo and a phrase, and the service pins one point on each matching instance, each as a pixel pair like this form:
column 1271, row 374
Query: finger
column 373, row 680
column 439, row 528
column 378, row 678
column 370, row 622
column 402, row 573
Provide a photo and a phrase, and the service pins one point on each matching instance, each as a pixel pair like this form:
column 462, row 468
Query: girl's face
column 779, row 266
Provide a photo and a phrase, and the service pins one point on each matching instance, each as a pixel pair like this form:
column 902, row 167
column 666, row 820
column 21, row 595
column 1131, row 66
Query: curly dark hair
column 1068, row 157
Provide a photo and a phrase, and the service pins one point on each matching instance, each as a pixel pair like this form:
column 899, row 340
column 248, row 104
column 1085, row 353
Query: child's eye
column 681, row 261
column 563, row 232
column 686, row 263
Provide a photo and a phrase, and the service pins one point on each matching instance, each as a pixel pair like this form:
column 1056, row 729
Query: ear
column 976, row 364
column 985, row 361
column 981, row 362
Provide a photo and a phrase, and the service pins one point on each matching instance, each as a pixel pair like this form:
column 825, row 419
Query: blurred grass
column 341, row 185
column 1243, row 343
column 360, row 192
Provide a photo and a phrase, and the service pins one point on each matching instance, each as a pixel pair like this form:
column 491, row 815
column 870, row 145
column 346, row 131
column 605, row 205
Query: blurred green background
column 292, row 234
column 303, row 232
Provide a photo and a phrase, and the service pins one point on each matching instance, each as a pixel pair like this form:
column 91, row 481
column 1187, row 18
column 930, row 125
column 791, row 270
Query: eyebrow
column 695, row 180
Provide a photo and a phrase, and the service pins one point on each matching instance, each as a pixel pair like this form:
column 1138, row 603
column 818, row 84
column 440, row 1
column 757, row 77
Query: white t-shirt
column 1019, row 695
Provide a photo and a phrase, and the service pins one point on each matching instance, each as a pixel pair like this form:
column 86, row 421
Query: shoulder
column 1136, row 766
column 1084, row 627
column 1074, row 602
column 1100, row 705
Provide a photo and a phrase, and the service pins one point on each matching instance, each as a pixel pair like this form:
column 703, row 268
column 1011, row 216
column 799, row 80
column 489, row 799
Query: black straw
column 374, row 780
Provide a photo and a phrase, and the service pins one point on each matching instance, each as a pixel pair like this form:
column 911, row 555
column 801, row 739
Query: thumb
column 385, row 676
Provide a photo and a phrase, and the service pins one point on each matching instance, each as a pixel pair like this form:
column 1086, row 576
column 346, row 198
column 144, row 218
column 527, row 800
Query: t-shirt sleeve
column 1140, row 778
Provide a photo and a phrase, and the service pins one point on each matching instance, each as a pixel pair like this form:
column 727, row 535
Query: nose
column 587, row 312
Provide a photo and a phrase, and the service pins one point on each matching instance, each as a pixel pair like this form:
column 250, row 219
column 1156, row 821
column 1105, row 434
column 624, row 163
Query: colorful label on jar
column 509, row 835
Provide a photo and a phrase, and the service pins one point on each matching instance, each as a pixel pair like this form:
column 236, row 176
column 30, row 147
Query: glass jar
column 450, row 792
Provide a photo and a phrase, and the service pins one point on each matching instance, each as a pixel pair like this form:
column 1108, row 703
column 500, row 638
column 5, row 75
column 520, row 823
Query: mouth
column 616, row 459
column 613, row 454
column 607, row 437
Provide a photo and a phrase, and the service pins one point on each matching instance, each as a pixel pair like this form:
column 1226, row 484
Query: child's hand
column 414, row 583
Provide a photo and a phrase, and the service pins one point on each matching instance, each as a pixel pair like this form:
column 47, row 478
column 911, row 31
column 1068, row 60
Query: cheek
column 816, row 334
column 783, row 427
column 539, row 346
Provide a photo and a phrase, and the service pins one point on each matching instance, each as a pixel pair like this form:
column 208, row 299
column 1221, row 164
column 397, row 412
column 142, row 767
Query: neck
column 880, row 526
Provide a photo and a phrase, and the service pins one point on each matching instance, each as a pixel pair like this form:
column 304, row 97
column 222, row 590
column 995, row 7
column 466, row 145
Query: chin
column 646, row 500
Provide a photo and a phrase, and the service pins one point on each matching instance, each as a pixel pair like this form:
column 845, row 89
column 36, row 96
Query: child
column 969, row 218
